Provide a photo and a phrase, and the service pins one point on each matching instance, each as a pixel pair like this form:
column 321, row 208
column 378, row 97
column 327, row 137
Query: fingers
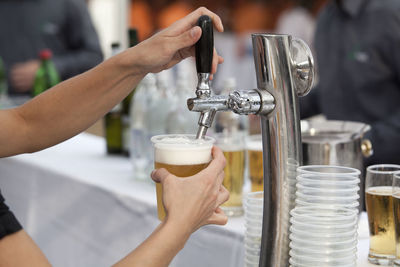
column 218, row 217
column 219, row 161
column 190, row 20
column 223, row 196
column 187, row 39
column 159, row 175
column 216, row 166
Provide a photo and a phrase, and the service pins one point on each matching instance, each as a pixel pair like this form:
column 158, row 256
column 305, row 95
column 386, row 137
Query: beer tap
column 240, row 102
column 284, row 71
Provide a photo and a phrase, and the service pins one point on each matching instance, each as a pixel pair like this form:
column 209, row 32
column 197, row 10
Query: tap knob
column 205, row 45
column 204, row 56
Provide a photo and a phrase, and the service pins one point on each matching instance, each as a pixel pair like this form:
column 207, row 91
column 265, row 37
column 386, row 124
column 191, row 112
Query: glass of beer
column 379, row 203
column 255, row 162
column 233, row 146
column 396, row 214
column 182, row 155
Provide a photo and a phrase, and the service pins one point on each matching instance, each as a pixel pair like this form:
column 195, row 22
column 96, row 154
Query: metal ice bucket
column 341, row 143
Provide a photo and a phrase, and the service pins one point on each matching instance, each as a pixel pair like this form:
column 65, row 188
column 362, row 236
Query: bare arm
column 73, row 105
column 190, row 203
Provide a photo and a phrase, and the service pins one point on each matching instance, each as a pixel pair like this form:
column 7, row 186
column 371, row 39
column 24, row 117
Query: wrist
column 128, row 62
column 179, row 231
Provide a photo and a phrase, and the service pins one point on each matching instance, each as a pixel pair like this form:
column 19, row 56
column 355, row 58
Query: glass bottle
column 47, row 75
column 127, row 102
column 140, row 147
column 113, row 120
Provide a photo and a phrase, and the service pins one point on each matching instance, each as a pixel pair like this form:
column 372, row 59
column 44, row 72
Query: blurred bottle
column 113, row 120
column 3, row 83
column 227, row 121
column 180, row 120
column 160, row 104
column 47, row 75
column 127, row 102
column 140, row 147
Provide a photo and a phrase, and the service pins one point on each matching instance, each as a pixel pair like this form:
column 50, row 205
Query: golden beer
column 181, row 155
column 255, row 157
column 396, row 215
column 233, row 180
column 379, row 203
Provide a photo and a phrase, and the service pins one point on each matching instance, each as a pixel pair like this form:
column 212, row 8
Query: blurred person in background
column 63, row 26
column 73, row 105
column 299, row 20
column 357, row 50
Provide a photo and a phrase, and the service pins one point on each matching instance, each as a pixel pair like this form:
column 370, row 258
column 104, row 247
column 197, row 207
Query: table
column 84, row 208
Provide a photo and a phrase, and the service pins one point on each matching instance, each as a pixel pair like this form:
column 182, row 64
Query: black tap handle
column 205, row 45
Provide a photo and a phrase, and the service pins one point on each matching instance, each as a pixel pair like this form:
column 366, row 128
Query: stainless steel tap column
column 284, row 68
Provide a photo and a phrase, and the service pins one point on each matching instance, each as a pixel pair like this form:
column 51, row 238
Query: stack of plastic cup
column 253, row 209
column 325, row 218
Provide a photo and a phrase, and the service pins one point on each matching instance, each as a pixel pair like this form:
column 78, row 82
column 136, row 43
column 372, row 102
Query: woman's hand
column 173, row 44
column 194, row 201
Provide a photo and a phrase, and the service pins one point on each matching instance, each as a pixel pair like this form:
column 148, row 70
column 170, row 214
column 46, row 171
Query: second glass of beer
column 396, row 214
column 233, row 146
column 255, row 162
column 379, row 203
column 182, row 155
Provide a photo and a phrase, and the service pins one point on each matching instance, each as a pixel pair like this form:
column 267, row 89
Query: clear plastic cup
column 323, row 253
column 320, row 214
column 313, row 188
column 319, row 197
column 254, row 210
column 327, row 181
column 253, row 223
column 250, row 264
column 313, row 202
column 304, row 263
column 255, row 198
column 331, row 236
column 321, row 260
column 252, row 251
column 328, row 170
column 323, row 228
column 252, row 258
column 325, row 244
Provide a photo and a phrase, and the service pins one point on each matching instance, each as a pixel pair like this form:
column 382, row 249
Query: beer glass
column 255, row 162
column 379, row 203
column 232, row 144
column 182, row 155
column 396, row 214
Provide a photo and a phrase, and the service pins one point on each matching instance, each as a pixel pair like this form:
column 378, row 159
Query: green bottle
column 3, row 78
column 47, row 75
column 113, row 120
column 126, row 103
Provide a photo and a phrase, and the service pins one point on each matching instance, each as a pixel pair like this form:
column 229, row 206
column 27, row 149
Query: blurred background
column 240, row 17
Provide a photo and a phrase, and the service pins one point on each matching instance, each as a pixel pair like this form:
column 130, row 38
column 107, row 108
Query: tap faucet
column 284, row 71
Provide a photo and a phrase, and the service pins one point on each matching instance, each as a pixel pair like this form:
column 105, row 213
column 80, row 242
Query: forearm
column 70, row 107
column 159, row 248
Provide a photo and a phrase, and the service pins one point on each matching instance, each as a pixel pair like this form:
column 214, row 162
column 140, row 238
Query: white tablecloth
column 84, row 208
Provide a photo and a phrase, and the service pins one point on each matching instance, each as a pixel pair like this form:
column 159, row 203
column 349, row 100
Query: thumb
column 188, row 38
column 159, row 175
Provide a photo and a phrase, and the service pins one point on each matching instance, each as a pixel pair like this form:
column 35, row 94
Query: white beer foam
column 231, row 147
column 254, row 145
column 183, row 150
column 182, row 154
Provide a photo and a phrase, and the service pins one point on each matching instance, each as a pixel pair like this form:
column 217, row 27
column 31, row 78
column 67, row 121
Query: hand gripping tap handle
column 205, row 45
